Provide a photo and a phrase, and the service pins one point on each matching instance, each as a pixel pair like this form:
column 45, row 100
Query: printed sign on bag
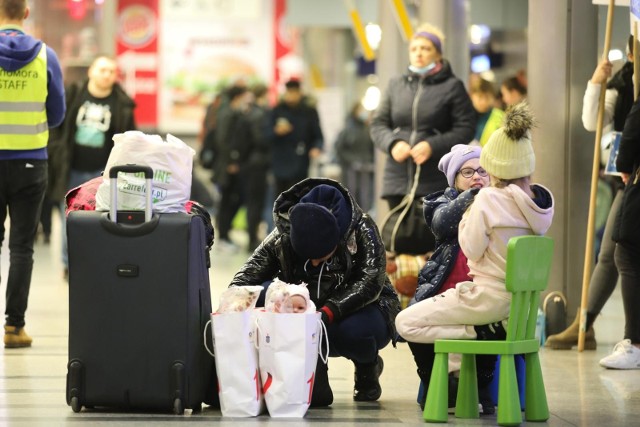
column 236, row 358
column 171, row 161
column 288, row 352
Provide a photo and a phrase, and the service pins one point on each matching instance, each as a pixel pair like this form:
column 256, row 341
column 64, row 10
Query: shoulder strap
column 404, row 206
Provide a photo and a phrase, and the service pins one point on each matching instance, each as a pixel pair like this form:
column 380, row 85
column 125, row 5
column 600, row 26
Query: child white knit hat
column 509, row 153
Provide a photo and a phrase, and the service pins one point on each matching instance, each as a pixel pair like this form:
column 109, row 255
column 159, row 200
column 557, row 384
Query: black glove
column 325, row 318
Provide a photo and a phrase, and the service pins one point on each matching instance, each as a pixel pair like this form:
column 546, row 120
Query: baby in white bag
column 285, row 297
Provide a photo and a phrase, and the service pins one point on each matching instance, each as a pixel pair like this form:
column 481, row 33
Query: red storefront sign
column 137, row 53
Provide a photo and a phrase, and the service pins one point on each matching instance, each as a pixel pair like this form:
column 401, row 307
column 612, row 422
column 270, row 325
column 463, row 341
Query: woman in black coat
column 324, row 239
column 424, row 113
column 626, row 234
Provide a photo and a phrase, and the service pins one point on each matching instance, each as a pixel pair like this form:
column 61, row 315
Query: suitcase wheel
column 75, row 404
column 178, row 408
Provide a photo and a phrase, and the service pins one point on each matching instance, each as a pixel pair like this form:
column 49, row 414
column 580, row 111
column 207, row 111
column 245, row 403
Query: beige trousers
column 453, row 313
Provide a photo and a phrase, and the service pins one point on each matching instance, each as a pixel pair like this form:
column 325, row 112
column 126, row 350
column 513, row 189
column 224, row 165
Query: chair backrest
column 528, row 266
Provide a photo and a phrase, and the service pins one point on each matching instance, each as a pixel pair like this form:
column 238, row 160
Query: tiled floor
column 32, row 381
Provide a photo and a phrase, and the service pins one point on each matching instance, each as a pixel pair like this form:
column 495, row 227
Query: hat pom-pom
column 518, row 121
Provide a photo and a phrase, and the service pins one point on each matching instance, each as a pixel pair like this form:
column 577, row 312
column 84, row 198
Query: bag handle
column 323, row 334
column 553, row 295
column 256, row 341
column 405, row 206
column 204, row 335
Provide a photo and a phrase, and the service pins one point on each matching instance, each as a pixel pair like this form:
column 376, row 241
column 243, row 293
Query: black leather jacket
column 354, row 276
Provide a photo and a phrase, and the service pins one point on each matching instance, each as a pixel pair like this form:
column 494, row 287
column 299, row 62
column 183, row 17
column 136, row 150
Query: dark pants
column 605, row 274
column 230, row 202
column 256, row 194
column 46, row 213
column 359, row 336
column 627, row 260
column 22, row 187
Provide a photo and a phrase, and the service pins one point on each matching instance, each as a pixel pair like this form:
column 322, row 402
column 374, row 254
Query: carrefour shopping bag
column 236, row 360
column 172, row 164
column 288, row 348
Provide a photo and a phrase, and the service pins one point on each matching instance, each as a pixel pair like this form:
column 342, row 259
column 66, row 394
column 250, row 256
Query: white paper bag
column 172, row 164
column 236, row 357
column 288, row 350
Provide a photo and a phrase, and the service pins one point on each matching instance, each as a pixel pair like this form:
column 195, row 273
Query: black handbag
column 627, row 228
column 404, row 230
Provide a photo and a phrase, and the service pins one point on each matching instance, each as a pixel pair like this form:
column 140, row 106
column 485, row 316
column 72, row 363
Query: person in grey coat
column 424, row 113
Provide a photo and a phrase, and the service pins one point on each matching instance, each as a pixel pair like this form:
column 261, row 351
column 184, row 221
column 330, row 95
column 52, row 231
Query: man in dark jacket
column 323, row 238
column 233, row 145
column 98, row 108
column 295, row 137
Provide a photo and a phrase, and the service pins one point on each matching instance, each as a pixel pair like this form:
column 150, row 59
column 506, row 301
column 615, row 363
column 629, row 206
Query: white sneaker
column 625, row 356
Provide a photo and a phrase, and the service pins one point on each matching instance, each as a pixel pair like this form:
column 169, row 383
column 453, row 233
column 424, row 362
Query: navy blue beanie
column 318, row 221
column 331, row 198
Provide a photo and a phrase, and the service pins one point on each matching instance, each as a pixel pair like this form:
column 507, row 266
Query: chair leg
column 435, row 407
column 535, row 405
column 467, row 399
column 509, row 412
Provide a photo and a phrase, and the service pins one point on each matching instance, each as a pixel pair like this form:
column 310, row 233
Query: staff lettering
column 13, row 84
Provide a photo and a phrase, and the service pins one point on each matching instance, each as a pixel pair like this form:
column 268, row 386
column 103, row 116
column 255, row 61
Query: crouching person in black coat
column 324, row 239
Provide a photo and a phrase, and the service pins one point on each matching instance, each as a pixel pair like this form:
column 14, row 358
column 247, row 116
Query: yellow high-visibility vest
column 23, row 114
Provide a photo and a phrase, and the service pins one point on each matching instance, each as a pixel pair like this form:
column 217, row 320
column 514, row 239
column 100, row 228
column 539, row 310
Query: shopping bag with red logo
column 236, row 358
column 288, row 348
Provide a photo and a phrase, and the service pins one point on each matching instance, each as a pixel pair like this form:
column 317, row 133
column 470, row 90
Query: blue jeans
column 22, row 187
column 76, row 178
column 359, row 336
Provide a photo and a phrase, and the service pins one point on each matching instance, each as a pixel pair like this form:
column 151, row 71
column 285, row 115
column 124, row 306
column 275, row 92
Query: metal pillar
column 393, row 58
column 452, row 17
column 562, row 53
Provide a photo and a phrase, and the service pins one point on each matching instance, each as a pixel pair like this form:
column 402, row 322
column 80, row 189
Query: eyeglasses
column 468, row 172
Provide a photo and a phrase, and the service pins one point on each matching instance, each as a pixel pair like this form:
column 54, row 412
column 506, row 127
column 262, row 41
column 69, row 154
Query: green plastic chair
column 528, row 266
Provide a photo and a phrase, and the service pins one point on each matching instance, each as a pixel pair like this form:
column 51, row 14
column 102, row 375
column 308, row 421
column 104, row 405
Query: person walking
column 31, row 101
column 98, row 109
column 295, row 137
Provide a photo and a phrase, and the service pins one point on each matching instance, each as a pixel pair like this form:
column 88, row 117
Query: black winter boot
column 423, row 354
column 491, row 332
column 321, row 394
column 453, row 390
column 367, row 386
column 486, row 364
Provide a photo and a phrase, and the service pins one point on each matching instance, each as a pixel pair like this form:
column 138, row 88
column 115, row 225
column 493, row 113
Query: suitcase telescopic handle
column 130, row 168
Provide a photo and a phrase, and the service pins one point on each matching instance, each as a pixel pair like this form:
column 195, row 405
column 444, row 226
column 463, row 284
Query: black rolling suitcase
column 139, row 300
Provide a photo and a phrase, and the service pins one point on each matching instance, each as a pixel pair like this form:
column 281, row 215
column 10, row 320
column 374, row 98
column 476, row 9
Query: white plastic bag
column 288, row 349
column 172, row 164
column 236, row 356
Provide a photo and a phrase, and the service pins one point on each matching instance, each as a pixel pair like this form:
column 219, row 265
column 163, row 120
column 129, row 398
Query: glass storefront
column 76, row 29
